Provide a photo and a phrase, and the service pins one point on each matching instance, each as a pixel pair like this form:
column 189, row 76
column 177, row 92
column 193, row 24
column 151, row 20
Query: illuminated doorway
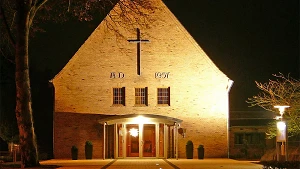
column 133, row 140
column 140, row 140
column 149, row 143
column 142, row 136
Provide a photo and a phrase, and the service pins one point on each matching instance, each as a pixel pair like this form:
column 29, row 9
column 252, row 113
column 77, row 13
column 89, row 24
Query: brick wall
column 255, row 150
column 75, row 129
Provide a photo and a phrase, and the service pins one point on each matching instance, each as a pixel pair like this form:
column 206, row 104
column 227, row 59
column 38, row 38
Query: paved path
column 153, row 164
column 214, row 164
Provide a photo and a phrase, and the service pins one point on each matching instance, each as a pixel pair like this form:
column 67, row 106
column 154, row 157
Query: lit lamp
column 281, row 136
column 134, row 132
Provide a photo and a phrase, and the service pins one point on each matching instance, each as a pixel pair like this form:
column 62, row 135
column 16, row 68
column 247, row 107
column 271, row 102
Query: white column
column 141, row 140
column 177, row 125
column 116, row 141
column 124, row 147
column 157, row 148
column 174, row 138
column 166, row 141
column 104, row 144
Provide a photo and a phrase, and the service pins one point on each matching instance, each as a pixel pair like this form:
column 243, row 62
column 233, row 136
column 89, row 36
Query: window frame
column 253, row 138
column 163, row 96
column 118, row 96
column 141, row 96
column 238, row 138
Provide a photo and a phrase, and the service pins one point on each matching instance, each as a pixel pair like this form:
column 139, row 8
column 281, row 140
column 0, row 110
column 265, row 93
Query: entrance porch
column 140, row 136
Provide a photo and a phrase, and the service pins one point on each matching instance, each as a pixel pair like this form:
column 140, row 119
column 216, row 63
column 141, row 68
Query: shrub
column 74, row 152
column 88, row 143
column 189, row 150
column 281, row 164
column 88, row 150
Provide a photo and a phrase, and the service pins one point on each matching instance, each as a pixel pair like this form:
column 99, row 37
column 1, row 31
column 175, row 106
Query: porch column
column 176, row 139
column 166, row 140
column 104, row 138
column 177, row 125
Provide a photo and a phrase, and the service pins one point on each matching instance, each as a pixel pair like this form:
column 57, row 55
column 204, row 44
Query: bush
column 200, row 152
column 88, row 150
column 88, row 143
column 189, row 150
column 281, row 164
column 74, row 152
column 189, row 142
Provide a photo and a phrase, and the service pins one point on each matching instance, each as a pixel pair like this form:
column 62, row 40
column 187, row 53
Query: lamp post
column 281, row 136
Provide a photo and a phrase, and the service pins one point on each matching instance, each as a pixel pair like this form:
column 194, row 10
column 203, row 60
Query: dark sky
column 248, row 40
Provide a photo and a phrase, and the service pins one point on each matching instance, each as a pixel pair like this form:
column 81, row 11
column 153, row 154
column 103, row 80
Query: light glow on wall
column 141, row 120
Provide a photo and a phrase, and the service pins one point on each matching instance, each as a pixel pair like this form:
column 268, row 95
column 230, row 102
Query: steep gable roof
column 158, row 15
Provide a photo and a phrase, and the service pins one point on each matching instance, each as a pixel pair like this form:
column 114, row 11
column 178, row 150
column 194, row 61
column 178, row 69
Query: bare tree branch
column 7, row 28
column 285, row 90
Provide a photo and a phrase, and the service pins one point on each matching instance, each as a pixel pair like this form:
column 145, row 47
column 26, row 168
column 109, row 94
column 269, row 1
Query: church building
column 141, row 92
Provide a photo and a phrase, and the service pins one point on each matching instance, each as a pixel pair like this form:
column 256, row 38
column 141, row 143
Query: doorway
column 133, row 141
column 140, row 140
column 148, row 141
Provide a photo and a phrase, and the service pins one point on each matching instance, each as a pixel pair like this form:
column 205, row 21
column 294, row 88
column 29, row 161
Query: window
column 238, row 138
column 163, row 96
column 119, row 96
column 257, row 138
column 251, row 138
column 141, row 95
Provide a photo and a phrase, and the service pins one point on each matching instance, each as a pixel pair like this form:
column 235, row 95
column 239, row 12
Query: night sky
column 248, row 40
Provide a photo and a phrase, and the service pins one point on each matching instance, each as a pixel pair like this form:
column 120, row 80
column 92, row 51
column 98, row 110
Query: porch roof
column 138, row 118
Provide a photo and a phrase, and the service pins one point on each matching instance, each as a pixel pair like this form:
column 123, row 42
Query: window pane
column 118, row 96
column 140, row 96
column 163, row 96
column 238, row 138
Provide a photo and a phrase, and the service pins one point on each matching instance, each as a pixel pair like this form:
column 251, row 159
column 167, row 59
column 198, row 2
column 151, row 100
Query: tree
column 20, row 17
column 285, row 90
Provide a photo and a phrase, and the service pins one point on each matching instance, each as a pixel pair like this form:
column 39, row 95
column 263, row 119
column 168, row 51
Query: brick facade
column 198, row 89
column 255, row 149
column 249, row 126
column 74, row 129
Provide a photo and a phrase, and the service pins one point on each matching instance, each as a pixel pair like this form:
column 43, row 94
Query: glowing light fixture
column 281, row 125
column 281, row 109
column 281, row 136
column 134, row 132
column 141, row 120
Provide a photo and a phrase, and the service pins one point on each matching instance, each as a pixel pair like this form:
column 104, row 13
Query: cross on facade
column 138, row 41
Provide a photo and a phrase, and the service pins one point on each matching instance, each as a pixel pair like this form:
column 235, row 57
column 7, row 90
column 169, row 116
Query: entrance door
column 149, row 140
column 133, row 140
column 140, row 140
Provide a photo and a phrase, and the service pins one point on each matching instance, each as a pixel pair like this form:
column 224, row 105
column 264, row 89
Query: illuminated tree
column 20, row 17
column 285, row 90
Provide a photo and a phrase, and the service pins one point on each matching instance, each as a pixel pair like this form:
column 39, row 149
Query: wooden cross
column 138, row 41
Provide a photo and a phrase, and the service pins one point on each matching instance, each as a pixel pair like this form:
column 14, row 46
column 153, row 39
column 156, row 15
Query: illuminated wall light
column 134, row 132
column 141, row 120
